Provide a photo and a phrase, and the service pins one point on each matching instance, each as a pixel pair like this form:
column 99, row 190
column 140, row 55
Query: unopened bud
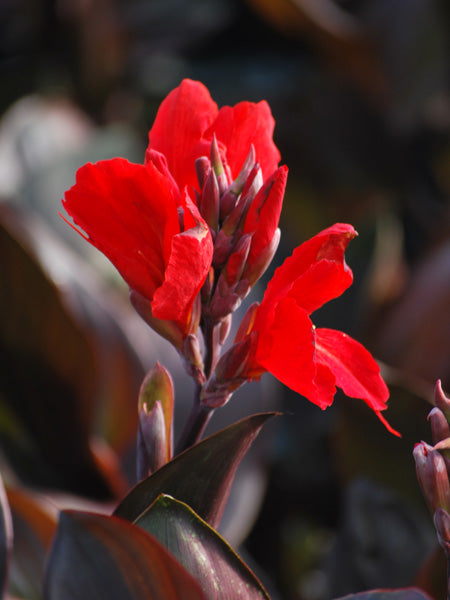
column 202, row 168
column 440, row 429
column 246, row 324
column 224, row 328
column 155, row 409
column 230, row 289
column 151, row 441
column 228, row 200
column 441, row 400
column 432, row 476
column 234, row 368
column 230, row 233
column 235, row 264
column 258, row 267
column 217, row 165
column 207, row 287
column 234, row 363
column 253, row 183
column 441, row 520
column 227, row 298
column 193, row 360
column 209, row 201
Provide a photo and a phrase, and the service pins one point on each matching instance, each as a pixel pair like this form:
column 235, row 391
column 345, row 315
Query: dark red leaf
column 201, row 476
column 106, row 558
column 201, row 550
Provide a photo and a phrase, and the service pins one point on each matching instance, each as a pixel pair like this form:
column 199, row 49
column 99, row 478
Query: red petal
column 286, row 349
column 128, row 212
column 356, row 371
column 240, row 126
column 180, row 123
column 160, row 162
column 189, row 263
column 316, row 272
column 264, row 213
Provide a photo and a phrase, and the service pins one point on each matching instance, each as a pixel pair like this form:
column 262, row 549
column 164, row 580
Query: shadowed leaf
column 34, row 522
column 201, row 476
column 47, row 374
column 68, row 368
column 201, row 550
column 106, row 558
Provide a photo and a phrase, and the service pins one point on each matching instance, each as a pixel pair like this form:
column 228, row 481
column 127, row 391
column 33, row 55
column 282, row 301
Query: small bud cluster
column 225, row 204
column 231, row 208
column 433, row 466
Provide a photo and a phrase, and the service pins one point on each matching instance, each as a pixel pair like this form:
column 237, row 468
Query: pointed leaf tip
column 201, row 476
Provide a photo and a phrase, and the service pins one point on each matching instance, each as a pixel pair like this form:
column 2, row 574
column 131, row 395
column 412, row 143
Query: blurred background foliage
column 328, row 504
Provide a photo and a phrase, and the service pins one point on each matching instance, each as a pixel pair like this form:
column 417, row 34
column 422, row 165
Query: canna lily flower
column 144, row 218
column 151, row 232
column 188, row 120
column 189, row 127
column 278, row 335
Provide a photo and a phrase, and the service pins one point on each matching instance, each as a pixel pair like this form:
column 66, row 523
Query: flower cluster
column 192, row 230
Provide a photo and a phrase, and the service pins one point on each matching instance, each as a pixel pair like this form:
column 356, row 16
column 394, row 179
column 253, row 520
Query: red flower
column 188, row 119
column 152, row 233
column 143, row 219
column 311, row 361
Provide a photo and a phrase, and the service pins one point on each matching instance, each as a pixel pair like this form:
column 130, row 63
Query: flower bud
column 235, row 265
column 231, row 289
column 207, row 288
column 432, row 476
column 257, row 268
column 217, row 165
column 209, row 201
column 246, row 324
column 155, row 409
column 253, row 183
column 202, row 168
column 441, row 400
column 440, row 429
column 151, row 440
column 229, row 234
column 229, row 198
column 441, row 520
column 224, row 329
column 230, row 373
column 193, row 360
column 227, row 298
column 234, row 363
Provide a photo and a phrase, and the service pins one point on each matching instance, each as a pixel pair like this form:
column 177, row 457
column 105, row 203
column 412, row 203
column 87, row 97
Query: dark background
column 359, row 91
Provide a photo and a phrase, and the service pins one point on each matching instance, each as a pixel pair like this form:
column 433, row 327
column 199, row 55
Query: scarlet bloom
column 144, row 217
column 131, row 213
column 187, row 121
column 311, row 361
